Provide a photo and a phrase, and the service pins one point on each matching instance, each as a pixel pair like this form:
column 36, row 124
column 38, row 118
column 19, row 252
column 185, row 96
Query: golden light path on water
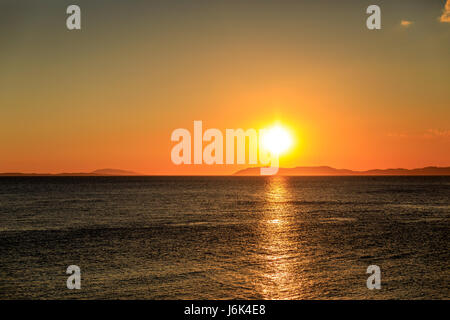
column 280, row 279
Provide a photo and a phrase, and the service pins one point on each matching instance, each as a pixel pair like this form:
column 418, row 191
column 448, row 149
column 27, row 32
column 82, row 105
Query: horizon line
column 248, row 172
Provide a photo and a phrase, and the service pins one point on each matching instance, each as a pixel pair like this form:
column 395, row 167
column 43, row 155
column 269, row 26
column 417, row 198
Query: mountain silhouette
column 329, row 171
column 114, row 172
column 99, row 172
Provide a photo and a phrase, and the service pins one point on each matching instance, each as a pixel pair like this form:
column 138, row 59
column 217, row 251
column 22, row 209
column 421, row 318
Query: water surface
column 224, row 237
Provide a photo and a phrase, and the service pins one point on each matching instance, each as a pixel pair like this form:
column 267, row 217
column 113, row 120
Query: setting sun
column 276, row 140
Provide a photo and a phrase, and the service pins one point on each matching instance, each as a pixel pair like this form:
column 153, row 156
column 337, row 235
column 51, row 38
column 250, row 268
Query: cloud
column 427, row 134
column 446, row 13
column 406, row 23
column 437, row 133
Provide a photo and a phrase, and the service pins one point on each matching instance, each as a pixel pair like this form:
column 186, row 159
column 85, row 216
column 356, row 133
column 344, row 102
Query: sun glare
column 276, row 140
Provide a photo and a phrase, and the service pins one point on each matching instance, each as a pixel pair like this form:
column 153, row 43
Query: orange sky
column 110, row 95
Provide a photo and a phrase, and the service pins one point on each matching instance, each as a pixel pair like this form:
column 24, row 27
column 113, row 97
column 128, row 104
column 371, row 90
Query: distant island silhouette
column 255, row 171
column 99, row 172
column 329, row 171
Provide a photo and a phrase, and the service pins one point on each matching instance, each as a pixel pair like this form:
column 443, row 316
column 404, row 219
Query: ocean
column 224, row 237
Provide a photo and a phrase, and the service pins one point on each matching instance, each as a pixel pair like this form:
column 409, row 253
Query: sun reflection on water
column 278, row 248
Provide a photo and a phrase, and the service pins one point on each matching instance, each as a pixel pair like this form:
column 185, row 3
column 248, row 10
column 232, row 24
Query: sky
column 110, row 95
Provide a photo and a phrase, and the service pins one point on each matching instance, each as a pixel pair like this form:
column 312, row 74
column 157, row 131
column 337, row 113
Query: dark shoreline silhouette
column 255, row 171
column 329, row 171
column 100, row 172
